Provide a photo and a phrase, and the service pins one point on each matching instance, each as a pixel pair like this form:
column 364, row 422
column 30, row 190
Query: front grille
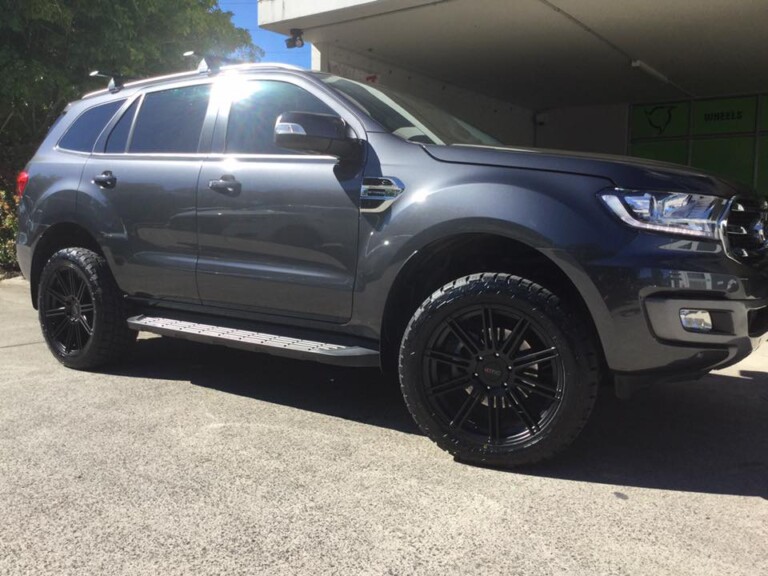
column 746, row 228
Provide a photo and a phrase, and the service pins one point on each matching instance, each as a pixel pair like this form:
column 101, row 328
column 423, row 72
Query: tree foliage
column 48, row 47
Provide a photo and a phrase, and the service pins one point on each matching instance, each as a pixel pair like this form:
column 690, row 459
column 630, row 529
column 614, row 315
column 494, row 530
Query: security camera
column 296, row 40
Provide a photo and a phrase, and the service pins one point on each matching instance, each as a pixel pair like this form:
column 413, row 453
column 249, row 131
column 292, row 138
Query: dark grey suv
column 307, row 215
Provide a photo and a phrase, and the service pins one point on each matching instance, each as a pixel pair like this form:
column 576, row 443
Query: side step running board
column 293, row 347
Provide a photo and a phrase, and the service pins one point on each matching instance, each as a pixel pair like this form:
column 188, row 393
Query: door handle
column 226, row 185
column 106, row 179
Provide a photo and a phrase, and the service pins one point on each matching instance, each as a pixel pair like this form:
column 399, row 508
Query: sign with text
column 724, row 115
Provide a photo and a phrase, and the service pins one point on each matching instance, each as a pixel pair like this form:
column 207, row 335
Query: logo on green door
column 659, row 117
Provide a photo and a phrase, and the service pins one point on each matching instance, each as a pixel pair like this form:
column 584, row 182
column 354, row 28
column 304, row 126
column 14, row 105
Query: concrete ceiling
column 551, row 53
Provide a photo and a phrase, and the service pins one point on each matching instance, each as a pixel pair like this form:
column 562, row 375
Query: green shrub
column 9, row 226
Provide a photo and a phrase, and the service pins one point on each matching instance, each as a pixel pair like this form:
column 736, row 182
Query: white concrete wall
column 276, row 10
column 281, row 15
column 509, row 123
column 584, row 128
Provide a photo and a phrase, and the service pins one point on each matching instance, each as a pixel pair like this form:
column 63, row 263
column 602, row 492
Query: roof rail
column 210, row 63
column 191, row 74
column 115, row 80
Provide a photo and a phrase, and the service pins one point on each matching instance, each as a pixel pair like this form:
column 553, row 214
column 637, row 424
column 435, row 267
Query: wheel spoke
column 515, row 338
column 449, row 386
column 451, row 359
column 467, row 340
column 494, row 419
column 488, row 329
column 465, row 410
column 86, row 308
column 59, row 278
column 56, row 294
column 83, row 321
column 80, row 290
column 56, row 312
column 531, row 358
column 71, row 283
column 78, row 336
column 69, row 337
column 59, row 329
column 526, row 384
column 522, row 412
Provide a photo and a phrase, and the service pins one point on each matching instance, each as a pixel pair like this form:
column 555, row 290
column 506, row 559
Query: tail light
column 21, row 183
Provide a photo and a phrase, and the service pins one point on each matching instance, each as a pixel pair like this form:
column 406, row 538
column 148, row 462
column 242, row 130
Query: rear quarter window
column 118, row 139
column 82, row 134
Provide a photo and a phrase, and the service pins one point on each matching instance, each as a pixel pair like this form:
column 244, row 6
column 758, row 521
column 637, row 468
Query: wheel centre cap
column 492, row 372
column 74, row 309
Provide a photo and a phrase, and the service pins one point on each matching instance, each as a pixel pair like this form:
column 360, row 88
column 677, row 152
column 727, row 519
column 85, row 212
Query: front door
column 277, row 230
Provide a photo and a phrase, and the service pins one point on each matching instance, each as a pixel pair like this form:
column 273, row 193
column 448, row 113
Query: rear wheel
column 497, row 372
column 81, row 310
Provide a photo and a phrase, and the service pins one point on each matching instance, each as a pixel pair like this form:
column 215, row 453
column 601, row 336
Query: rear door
column 141, row 186
column 283, row 240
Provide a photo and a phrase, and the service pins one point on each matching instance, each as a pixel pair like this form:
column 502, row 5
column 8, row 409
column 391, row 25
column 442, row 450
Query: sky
column 246, row 16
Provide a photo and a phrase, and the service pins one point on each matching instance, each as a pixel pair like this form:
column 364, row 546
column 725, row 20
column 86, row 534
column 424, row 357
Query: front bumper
column 644, row 286
column 739, row 326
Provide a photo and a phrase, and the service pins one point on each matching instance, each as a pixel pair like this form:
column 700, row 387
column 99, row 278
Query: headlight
column 669, row 212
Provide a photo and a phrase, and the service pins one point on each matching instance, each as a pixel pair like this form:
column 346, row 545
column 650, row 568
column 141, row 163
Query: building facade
column 672, row 80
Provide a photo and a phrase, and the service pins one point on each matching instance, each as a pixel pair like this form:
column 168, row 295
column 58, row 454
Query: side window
column 118, row 138
column 252, row 117
column 82, row 135
column 171, row 121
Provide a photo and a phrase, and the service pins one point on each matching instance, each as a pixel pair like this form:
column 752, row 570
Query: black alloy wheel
column 67, row 310
column 493, row 374
column 496, row 371
column 82, row 311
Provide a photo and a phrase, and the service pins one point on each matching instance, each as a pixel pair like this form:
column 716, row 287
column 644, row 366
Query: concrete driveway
column 201, row 460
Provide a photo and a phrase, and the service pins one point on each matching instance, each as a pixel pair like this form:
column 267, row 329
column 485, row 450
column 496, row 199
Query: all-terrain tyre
column 82, row 311
column 497, row 371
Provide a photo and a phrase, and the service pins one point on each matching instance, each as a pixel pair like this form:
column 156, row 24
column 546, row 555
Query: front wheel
column 82, row 312
column 497, row 372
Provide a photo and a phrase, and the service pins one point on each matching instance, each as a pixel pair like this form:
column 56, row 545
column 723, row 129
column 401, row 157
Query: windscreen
column 407, row 116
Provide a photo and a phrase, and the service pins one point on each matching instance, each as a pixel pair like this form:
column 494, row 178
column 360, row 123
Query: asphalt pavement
column 195, row 460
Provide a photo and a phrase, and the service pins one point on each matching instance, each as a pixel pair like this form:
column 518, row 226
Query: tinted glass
column 84, row 131
column 251, row 125
column 118, row 139
column 170, row 121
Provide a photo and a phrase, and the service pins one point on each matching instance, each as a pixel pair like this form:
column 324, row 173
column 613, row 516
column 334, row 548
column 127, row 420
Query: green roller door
column 726, row 136
column 675, row 151
column 733, row 158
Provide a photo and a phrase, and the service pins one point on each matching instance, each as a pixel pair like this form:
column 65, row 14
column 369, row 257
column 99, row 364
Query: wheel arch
column 457, row 255
column 56, row 237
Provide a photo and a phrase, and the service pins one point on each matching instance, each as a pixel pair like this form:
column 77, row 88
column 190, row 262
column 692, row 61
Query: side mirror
column 314, row 133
